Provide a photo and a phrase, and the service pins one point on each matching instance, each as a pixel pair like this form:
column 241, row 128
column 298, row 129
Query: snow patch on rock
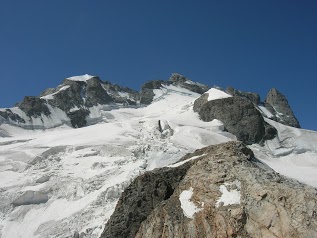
column 51, row 96
column 217, row 94
column 231, row 196
column 189, row 208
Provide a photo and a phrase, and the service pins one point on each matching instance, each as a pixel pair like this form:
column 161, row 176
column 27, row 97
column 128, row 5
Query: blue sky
column 250, row 45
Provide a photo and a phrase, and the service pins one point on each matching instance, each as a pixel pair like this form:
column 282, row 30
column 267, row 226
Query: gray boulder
column 278, row 105
column 239, row 117
column 30, row 197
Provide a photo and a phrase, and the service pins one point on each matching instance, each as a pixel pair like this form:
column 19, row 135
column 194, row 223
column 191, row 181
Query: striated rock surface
column 278, row 105
column 239, row 117
column 224, row 192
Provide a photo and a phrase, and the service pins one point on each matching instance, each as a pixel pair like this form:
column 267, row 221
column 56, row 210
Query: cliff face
column 278, row 105
column 222, row 192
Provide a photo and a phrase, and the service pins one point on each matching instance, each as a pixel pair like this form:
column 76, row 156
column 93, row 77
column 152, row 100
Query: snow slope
column 292, row 153
column 89, row 167
column 83, row 171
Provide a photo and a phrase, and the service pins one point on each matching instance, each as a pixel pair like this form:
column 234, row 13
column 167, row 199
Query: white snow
column 229, row 197
column 217, row 94
column 82, row 78
column 266, row 112
column 51, row 96
column 189, row 208
column 185, row 161
column 89, row 167
column 292, row 153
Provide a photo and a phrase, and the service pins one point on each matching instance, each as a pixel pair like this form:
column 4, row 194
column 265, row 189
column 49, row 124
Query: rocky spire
column 278, row 105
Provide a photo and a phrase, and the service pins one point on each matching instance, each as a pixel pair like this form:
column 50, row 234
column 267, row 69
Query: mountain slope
column 59, row 181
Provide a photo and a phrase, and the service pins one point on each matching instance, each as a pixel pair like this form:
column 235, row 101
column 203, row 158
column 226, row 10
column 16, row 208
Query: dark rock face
column 278, row 105
column 239, row 117
column 199, row 102
column 253, row 97
column 114, row 91
column 140, row 198
column 180, row 80
column 34, row 106
column 69, row 98
column 267, row 205
column 147, row 95
column 95, row 94
column 78, row 118
column 8, row 114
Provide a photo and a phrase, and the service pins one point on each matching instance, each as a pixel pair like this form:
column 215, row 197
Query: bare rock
column 199, row 102
column 34, row 106
column 265, row 203
column 239, row 117
column 253, row 97
column 278, row 105
column 147, row 94
column 140, row 198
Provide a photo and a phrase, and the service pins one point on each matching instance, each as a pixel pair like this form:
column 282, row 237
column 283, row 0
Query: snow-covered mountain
column 67, row 155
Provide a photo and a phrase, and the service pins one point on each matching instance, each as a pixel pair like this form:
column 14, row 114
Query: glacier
column 83, row 171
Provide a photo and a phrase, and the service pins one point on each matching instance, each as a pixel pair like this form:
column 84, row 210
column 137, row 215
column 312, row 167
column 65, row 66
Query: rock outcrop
column 253, row 97
column 239, row 116
column 278, row 105
column 140, row 198
column 34, row 106
column 147, row 94
column 182, row 81
column 224, row 192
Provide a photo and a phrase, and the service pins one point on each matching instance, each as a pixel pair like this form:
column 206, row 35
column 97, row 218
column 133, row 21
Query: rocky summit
column 178, row 158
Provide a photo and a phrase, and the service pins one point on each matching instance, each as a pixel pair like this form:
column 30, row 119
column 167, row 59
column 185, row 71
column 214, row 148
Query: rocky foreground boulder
column 218, row 191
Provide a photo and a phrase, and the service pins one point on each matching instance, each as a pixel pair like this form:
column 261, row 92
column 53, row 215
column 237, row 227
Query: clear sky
column 250, row 45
